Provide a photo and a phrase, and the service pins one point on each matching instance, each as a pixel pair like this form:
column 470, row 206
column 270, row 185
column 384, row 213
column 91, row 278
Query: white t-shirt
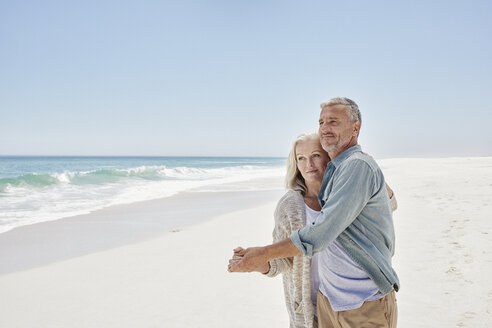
column 311, row 216
column 344, row 283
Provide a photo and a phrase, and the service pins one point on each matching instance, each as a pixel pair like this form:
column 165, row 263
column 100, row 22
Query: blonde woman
column 306, row 165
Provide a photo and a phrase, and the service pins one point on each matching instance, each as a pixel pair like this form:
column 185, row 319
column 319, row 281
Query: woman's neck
column 311, row 195
column 312, row 189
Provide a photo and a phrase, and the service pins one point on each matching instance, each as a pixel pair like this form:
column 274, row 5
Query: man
column 354, row 232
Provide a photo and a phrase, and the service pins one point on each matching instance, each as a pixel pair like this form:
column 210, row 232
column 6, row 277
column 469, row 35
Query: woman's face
column 311, row 159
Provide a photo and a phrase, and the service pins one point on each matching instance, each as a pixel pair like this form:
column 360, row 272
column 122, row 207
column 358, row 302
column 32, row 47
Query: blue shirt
column 356, row 212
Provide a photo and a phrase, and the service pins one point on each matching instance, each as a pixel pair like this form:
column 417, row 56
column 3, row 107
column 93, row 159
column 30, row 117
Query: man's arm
column 352, row 188
column 351, row 192
column 254, row 257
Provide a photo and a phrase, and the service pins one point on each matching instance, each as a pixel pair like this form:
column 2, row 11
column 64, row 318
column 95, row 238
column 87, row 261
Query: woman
column 299, row 206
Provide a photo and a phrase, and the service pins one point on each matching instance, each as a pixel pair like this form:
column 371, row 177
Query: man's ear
column 356, row 128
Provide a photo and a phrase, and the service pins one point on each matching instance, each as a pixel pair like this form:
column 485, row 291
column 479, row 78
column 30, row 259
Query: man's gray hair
column 353, row 110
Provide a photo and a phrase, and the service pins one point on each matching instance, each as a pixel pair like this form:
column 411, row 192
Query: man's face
column 335, row 129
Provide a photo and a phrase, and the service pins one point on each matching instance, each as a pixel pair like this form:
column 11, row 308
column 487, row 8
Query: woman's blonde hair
column 293, row 178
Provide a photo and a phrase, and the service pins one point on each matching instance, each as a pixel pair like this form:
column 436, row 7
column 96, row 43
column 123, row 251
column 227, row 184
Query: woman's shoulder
column 290, row 210
column 291, row 198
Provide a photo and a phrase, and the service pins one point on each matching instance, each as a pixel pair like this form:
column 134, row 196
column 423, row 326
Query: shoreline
column 154, row 278
column 43, row 243
column 173, row 280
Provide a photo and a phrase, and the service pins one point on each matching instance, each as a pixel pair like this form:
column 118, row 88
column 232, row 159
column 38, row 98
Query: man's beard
column 338, row 147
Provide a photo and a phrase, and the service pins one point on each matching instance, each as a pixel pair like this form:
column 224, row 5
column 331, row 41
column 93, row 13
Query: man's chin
column 329, row 147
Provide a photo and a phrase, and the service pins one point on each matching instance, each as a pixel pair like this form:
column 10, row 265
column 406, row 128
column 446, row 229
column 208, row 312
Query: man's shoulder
column 360, row 160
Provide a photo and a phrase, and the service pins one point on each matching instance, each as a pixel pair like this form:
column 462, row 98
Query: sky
column 242, row 78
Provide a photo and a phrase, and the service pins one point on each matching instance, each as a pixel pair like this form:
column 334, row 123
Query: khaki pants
column 380, row 313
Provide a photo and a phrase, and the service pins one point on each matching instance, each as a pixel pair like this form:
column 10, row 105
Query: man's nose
column 324, row 127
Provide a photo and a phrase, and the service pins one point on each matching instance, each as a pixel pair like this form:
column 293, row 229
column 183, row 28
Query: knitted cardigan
column 290, row 215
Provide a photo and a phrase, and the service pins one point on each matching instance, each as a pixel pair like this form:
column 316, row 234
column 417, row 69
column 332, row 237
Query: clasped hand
column 251, row 259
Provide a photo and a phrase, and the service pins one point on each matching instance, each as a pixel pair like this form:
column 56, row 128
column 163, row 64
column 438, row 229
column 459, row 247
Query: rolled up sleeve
column 304, row 247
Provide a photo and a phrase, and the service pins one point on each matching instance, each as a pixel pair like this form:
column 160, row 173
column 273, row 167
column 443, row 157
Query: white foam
column 25, row 204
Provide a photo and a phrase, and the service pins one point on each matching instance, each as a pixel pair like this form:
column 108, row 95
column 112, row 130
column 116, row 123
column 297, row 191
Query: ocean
column 35, row 189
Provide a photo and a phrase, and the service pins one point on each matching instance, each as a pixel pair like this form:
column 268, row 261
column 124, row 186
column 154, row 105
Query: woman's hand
column 389, row 190
column 238, row 256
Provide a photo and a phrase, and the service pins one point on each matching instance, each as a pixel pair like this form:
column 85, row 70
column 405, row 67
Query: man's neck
column 336, row 152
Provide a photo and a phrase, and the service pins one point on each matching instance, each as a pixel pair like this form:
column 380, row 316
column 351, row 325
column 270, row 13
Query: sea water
column 37, row 189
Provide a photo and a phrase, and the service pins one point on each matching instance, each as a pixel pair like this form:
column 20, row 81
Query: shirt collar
column 345, row 154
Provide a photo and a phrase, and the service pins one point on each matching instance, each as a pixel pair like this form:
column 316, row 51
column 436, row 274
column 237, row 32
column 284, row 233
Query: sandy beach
column 163, row 263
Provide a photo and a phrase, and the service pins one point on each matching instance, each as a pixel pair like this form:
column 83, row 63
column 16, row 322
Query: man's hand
column 249, row 260
column 257, row 258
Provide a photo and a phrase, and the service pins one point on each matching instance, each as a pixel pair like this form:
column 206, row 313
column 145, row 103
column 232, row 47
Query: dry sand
column 158, row 278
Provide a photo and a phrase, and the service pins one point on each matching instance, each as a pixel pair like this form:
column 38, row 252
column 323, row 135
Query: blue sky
column 242, row 78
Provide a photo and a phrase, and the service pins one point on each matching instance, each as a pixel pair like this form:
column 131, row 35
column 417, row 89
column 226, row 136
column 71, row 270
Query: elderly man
column 354, row 232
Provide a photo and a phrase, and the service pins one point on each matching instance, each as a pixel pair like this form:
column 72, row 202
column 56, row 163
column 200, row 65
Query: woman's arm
column 283, row 229
column 285, row 214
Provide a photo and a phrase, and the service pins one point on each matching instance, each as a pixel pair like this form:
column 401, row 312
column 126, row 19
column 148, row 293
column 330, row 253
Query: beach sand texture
column 178, row 277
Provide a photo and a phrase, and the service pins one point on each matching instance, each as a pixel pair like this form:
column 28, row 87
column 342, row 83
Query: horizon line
column 7, row 155
column 242, row 156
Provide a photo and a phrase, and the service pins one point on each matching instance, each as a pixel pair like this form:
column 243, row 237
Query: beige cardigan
column 290, row 215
